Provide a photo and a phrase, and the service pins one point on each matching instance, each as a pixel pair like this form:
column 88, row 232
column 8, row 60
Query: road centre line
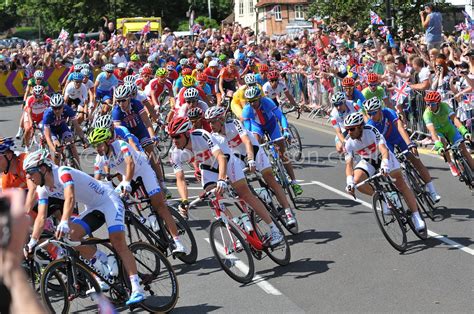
column 257, row 279
column 432, row 234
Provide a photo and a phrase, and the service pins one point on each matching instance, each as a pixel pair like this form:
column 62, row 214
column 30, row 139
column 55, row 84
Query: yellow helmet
column 189, row 80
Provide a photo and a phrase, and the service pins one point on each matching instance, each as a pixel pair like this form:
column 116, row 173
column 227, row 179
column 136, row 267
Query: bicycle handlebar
column 370, row 179
column 293, row 109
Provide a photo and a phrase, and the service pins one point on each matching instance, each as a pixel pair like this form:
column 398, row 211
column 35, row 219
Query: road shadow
column 430, row 243
column 202, row 267
column 200, row 308
column 312, row 235
column 443, row 212
column 312, row 204
column 300, row 269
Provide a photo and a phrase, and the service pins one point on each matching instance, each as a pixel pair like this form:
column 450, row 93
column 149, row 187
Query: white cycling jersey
column 76, row 93
column 141, row 96
column 274, row 93
column 337, row 118
column 367, row 146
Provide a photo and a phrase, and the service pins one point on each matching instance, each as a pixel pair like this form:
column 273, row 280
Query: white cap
column 121, row 65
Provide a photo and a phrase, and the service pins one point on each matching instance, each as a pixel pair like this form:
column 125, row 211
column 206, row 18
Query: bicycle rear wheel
column 231, row 251
column 165, row 142
column 466, row 172
column 70, row 298
column 294, row 147
column 423, row 199
column 186, row 236
column 391, row 225
column 280, row 253
column 157, row 278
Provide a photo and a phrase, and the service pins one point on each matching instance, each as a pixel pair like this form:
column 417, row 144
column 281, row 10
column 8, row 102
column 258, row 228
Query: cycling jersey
column 120, row 75
column 94, row 194
column 122, row 133
column 32, row 83
column 58, row 126
column 106, row 84
column 10, row 181
column 141, row 83
column 158, row 89
column 238, row 101
column 180, row 96
column 132, row 121
column 379, row 93
column 212, row 74
column 274, row 93
column 441, row 120
column 337, row 118
column 37, row 107
column 228, row 74
column 264, row 119
column 260, row 79
column 76, row 93
column 389, row 129
column 357, row 97
column 173, row 75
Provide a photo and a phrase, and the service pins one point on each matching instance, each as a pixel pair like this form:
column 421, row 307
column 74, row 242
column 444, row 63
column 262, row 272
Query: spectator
column 433, row 23
column 119, row 57
column 421, row 76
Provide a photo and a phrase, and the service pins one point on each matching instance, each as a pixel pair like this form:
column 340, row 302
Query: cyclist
column 229, row 77
column 76, row 94
column 375, row 90
column 367, row 142
column 238, row 99
column 212, row 72
column 73, row 186
column 35, row 107
column 11, row 166
column 56, row 129
column 105, row 82
column 118, row 132
column 216, row 163
column 178, row 84
column 89, row 86
column 159, row 87
column 140, row 96
column 262, row 76
column 275, row 87
column 444, row 128
column 196, row 116
column 245, row 146
column 120, row 72
column 387, row 123
column 352, row 93
column 261, row 116
column 118, row 156
column 144, row 79
column 191, row 97
column 202, row 84
column 190, row 82
column 342, row 108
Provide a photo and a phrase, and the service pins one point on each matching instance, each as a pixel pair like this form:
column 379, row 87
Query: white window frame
column 277, row 13
column 251, row 7
column 241, row 7
column 299, row 12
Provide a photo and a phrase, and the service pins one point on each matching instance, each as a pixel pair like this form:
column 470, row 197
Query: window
column 277, row 11
column 299, row 13
column 251, row 6
column 241, row 7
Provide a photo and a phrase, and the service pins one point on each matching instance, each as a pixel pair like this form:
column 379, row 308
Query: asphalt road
column 340, row 261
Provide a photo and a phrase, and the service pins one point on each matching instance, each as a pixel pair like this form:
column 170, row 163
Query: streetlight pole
column 209, row 8
column 388, row 13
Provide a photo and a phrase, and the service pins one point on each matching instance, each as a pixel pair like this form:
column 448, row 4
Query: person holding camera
column 433, row 23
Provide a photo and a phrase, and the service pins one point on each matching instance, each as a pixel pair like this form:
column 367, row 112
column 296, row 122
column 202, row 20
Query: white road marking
column 433, row 234
column 257, row 279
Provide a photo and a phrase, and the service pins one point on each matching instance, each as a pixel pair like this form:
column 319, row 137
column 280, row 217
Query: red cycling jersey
column 157, row 89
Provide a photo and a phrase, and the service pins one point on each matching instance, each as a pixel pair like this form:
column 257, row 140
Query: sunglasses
column 121, row 100
column 194, row 119
column 32, row 170
column 58, row 108
column 432, row 104
column 175, row 137
column 110, row 72
column 372, row 113
column 351, row 129
column 348, row 87
column 373, row 84
column 121, row 70
column 190, row 101
column 273, row 81
column 214, row 120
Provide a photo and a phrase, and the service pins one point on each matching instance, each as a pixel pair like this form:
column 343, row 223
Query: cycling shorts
column 74, row 102
column 101, row 93
column 142, row 135
column 271, row 128
column 63, row 134
column 370, row 166
column 452, row 135
column 402, row 146
column 210, row 175
column 149, row 180
column 261, row 160
column 229, row 85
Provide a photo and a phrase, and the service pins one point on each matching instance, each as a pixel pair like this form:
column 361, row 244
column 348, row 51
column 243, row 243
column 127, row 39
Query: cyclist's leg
column 362, row 171
column 455, row 138
column 154, row 158
column 28, row 126
column 68, row 138
column 274, row 132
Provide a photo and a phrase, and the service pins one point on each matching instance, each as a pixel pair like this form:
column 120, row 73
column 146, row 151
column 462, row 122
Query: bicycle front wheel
column 418, row 186
column 295, row 149
column 186, row 236
column 157, row 278
column 390, row 224
column 231, row 251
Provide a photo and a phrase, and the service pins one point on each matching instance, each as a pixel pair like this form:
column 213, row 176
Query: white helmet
column 132, row 88
column 250, row 79
column 109, row 67
column 372, row 104
column 208, row 53
column 121, row 92
column 39, row 74
column 36, row 159
column 121, row 65
column 85, row 72
column 184, row 61
column 194, row 113
column 56, row 100
column 252, row 92
column 250, row 54
column 103, row 122
column 38, row 90
column 354, row 119
column 129, row 79
column 200, row 66
column 214, row 112
column 338, row 98
column 191, row 93
column 213, row 63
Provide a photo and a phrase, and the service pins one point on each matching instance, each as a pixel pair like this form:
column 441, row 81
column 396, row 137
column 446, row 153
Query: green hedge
column 26, row 32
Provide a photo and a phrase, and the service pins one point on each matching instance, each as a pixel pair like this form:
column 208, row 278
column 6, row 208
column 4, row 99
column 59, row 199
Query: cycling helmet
column 372, row 78
column 109, row 67
column 189, row 81
column 134, row 57
column 250, row 79
column 432, row 96
column 214, row 112
column 338, row 98
column 348, row 82
column 78, row 67
column 86, row 66
column 36, row 159
column 39, row 75
column 171, row 64
column 354, row 119
column 151, row 59
column 200, row 66
column 186, row 71
column 99, row 135
column 202, row 77
column 6, row 143
column 121, row 65
column 86, row 72
column 250, row 54
column 208, row 54
column 263, row 68
column 194, row 113
column 191, row 93
column 273, row 75
column 146, row 71
column 56, row 100
column 184, row 61
column 132, row 88
column 103, row 122
column 222, row 57
column 76, row 76
column 129, row 79
column 372, row 104
column 252, row 93
column 179, row 125
column 121, row 92
column 38, row 90
column 161, row 72
column 213, row 63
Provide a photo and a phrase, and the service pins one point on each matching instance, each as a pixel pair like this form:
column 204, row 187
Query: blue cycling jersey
column 106, row 84
column 56, row 124
column 130, row 119
column 358, row 97
column 260, row 80
column 122, row 133
column 266, row 114
column 388, row 126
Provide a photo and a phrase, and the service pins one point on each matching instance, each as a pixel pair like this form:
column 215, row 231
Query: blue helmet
column 5, row 144
column 76, row 76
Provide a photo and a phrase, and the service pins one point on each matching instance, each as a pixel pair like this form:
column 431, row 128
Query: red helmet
column 273, row 75
column 171, row 64
column 263, row 68
column 179, row 125
column 348, row 82
column 433, row 96
column 186, row 71
column 372, row 78
column 202, row 77
column 146, row 71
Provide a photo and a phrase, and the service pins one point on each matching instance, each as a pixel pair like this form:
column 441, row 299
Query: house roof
column 263, row 3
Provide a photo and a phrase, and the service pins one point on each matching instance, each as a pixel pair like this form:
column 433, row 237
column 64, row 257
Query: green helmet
column 222, row 57
column 99, row 135
column 161, row 72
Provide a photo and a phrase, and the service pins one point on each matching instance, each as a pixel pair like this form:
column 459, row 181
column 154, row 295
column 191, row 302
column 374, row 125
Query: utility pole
column 388, row 13
column 209, row 8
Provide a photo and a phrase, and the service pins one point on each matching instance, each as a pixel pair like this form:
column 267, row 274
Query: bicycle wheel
column 466, row 172
column 165, row 142
column 391, row 225
column 186, row 236
column 294, row 147
column 283, row 178
column 280, row 253
column 73, row 297
column 231, row 251
column 423, row 198
column 157, row 278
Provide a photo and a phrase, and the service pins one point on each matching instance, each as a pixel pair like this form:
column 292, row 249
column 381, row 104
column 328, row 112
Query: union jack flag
column 383, row 30
column 375, row 19
column 401, row 92
column 196, row 28
column 63, row 35
column 147, row 28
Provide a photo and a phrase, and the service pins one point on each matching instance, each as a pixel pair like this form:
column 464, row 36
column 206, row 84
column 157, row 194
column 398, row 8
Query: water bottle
column 112, row 265
column 246, row 221
column 393, row 196
column 153, row 223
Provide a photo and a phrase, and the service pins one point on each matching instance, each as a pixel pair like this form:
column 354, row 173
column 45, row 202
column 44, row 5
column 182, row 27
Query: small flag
column 383, row 30
column 63, row 35
column 196, row 28
column 401, row 92
column 271, row 12
column 147, row 28
column 375, row 19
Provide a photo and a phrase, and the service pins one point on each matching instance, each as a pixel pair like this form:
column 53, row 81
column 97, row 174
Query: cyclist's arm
column 151, row 109
column 181, row 185
column 236, row 107
column 38, row 225
column 248, row 147
column 69, row 201
column 147, row 123
column 290, row 98
column 30, row 198
column 129, row 168
column 432, row 130
column 281, row 117
column 384, row 151
column 403, row 132
column 78, row 129
column 96, row 85
column 28, row 112
column 221, row 86
column 27, row 92
column 154, row 100
column 49, row 140
column 339, row 135
column 457, row 123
